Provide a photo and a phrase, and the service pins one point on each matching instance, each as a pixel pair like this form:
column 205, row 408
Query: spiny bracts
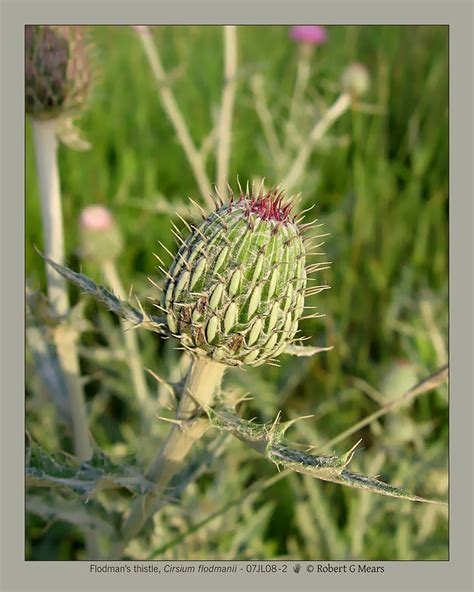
column 235, row 290
column 57, row 70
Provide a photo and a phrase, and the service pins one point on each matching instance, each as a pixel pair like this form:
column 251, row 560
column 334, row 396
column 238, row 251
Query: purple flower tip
column 310, row 34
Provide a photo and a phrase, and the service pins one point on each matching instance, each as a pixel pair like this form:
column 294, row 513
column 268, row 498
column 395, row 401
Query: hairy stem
column 65, row 337
column 203, row 379
column 173, row 112
column 332, row 114
column 134, row 360
column 228, row 96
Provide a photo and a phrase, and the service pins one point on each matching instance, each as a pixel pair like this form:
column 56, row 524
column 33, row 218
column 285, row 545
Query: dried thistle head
column 235, row 290
column 57, row 70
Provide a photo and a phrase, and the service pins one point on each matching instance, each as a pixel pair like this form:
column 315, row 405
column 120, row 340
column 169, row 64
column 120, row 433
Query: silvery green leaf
column 122, row 309
column 65, row 471
column 269, row 441
column 90, row 516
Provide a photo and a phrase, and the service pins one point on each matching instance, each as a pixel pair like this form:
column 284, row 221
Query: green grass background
column 383, row 195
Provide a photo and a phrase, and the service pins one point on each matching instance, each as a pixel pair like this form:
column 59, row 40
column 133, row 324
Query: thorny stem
column 203, row 378
column 332, row 114
column 65, row 337
column 131, row 344
column 228, row 96
column 171, row 108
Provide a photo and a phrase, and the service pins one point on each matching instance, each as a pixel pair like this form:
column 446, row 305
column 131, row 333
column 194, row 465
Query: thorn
column 155, row 284
column 166, row 249
column 196, row 229
column 162, row 381
column 184, row 222
column 179, row 239
column 178, row 231
column 185, row 262
column 287, row 424
column 161, row 308
column 317, row 266
column 201, row 210
column 178, row 422
column 139, row 304
column 166, row 273
column 158, row 258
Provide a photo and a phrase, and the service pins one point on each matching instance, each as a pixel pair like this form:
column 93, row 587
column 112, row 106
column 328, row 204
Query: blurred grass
column 383, row 196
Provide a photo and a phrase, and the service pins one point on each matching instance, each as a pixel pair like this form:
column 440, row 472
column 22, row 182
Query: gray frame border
column 455, row 574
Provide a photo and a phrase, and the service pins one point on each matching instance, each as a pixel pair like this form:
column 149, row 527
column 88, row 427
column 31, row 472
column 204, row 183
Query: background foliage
column 380, row 184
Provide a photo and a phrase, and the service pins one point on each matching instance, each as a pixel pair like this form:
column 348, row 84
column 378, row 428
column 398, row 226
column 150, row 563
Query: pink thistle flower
column 96, row 218
column 100, row 238
column 309, row 34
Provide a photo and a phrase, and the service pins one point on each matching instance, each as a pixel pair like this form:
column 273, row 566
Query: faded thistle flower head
column 235, row 290
column 57, row 70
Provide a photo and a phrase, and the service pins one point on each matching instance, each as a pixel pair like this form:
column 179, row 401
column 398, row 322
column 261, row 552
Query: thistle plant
column 233, row 296
column 57, row 83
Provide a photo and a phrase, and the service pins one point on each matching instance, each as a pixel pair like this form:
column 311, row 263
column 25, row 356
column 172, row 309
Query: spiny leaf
column 269, row 441
column 91, row 516
column 64, row 471
column 101, row 294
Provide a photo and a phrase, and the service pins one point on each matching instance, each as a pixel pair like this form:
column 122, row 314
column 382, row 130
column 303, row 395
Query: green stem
column 65, row 337
column 203, row 379
column 338, row 108
column 303, row 71
column 225, row 118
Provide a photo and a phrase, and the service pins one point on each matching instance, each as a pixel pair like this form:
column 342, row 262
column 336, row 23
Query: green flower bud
column 100, row 237
column 235, row 290
column 398, row 378
column 57, row 72
column 355, row 80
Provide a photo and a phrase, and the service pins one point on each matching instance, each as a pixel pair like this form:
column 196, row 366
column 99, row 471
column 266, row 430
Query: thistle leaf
column 87, row 478
column 101, row 294
column 268, row 440
column 90, row 516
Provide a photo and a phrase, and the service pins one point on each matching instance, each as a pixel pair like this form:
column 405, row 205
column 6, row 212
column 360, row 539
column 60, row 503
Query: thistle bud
column 235, row 290
column 398, row 378
column 100, row 238
column 57, row 72
column 355, row 80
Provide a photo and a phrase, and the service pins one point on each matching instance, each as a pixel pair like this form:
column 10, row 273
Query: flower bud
column 100, row 237
column 355, row 80
column 398, row 378
column 235, row 290
column 57, row 72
